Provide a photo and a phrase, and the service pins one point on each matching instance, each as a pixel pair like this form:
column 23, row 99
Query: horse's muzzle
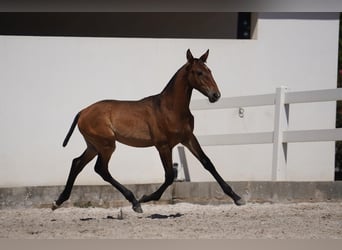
column 214, row 97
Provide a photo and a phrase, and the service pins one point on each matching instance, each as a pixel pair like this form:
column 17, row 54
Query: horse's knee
column 75, row 162
column 207, row 165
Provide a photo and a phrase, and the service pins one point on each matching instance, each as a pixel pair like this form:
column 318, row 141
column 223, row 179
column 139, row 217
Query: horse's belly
column 136, row 135
column 134, row 141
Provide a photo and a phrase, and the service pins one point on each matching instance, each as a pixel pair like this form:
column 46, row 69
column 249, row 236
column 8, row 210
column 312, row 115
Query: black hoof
column 240, row 202
column 137, row 208
column 54, row 206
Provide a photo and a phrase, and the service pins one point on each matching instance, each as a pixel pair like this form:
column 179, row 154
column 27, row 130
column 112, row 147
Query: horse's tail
column 71, row 130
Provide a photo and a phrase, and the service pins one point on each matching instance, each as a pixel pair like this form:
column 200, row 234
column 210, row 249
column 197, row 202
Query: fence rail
column 280, row 136
column 234, row 102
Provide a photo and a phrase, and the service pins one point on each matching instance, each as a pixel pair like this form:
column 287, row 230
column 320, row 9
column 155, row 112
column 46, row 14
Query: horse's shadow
column 162, row 216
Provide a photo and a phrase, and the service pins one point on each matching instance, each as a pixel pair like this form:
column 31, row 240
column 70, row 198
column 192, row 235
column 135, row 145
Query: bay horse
column 163, row 120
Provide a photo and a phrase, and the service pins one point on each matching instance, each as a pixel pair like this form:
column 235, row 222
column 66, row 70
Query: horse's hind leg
column 101, row 167
column 77, row 165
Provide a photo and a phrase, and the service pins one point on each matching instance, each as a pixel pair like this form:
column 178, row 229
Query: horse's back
column 128, row 122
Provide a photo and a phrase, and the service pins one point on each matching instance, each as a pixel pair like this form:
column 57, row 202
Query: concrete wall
column 45, row 81
column 193, row 192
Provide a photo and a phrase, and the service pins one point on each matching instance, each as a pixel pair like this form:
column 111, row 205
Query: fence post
column 281, row 119
column 184, row 163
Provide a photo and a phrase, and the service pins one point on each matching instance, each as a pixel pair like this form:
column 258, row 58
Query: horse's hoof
column 54, row 206
column 240, row 202
column 137, row 208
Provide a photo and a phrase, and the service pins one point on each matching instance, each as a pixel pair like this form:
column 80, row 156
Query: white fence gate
column 280, row 136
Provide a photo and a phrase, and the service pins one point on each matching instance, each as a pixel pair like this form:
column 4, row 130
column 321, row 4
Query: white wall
column 45, row 81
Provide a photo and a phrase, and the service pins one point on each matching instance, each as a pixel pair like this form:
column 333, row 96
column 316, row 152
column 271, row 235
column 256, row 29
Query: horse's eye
column 199, row 73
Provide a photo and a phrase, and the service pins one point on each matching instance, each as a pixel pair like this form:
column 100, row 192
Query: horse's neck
column 177, row 93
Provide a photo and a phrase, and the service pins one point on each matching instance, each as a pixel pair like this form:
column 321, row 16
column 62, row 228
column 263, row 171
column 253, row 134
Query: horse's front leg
column 166, row 157
column 195, row 148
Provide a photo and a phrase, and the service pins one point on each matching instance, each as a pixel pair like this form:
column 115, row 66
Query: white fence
column 280, row 136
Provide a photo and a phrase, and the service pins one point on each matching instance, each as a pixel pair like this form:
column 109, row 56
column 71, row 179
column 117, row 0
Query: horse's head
column 200, row 77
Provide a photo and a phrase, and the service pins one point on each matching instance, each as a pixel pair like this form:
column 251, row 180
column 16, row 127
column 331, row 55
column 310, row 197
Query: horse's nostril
column 217, row 95
column 214, row 97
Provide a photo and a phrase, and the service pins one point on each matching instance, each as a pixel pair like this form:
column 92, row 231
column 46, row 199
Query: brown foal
column 162, row 120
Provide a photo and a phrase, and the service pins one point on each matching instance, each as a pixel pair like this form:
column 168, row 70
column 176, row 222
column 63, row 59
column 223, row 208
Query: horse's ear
column 189, row 56
column 204, row 57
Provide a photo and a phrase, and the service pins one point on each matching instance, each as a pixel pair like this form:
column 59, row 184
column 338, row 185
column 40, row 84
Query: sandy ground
column 179, row 221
